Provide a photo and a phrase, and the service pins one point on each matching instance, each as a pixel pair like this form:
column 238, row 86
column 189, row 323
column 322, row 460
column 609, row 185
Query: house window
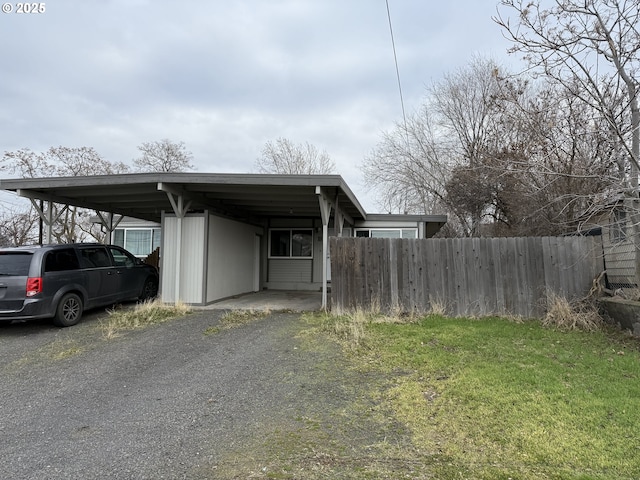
column 139, row 241
column 618, row 230
column 286, row 243
column 387, row 232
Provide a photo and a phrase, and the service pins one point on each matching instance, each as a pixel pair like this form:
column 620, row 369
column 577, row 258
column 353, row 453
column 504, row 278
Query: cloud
column 225, row 77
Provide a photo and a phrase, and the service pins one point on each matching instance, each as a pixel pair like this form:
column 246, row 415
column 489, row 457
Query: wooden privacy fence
column 466, row 276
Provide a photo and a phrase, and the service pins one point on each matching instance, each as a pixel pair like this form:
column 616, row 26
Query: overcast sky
column 224, row 77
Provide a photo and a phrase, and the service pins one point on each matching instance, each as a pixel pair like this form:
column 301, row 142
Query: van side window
column 61, row 260
column 121, row 258
column 94, row 257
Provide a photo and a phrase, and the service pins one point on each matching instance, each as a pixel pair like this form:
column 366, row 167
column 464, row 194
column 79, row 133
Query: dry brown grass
column 142, row 315
column 350, row 328
column 571, row 315
column 437, row 307
column 236, row 318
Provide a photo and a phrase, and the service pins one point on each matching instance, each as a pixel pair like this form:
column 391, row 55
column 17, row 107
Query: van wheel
column 149, row 290
column 69, row 311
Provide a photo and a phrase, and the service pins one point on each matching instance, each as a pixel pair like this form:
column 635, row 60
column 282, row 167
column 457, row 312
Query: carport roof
column 144, row 195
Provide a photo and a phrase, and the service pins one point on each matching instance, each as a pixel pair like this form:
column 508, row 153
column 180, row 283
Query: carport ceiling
column 235, row 195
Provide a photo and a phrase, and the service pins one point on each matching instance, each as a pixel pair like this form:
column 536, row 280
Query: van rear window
column 61, row 260
column 15, row 263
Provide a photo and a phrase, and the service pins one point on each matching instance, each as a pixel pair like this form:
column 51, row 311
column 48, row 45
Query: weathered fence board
column 470, row 276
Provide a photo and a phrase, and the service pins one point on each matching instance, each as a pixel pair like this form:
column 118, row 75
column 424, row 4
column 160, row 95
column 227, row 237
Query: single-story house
column 223, row 235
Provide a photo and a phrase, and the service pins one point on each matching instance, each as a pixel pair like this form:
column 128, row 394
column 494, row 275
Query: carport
column 174, row 198
column 225, row 235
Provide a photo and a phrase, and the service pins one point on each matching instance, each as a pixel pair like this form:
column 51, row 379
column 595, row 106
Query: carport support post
column 325, row 212
column 180, row 209
column 49, row 221
column 47, row 218
column 109, row 223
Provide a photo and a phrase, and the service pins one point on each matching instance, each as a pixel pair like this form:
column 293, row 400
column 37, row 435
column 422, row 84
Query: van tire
column 69, row 311
column 149, row 290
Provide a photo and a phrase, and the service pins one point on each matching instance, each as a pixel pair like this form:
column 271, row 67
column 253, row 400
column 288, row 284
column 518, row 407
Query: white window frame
column 154, row 231
column 401, row 230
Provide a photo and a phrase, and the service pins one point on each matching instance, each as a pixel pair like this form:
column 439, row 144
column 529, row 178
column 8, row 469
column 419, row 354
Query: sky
column 225, row 77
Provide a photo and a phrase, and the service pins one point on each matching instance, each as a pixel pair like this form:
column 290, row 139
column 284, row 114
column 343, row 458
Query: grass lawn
column 441, row 398
column 496, row 399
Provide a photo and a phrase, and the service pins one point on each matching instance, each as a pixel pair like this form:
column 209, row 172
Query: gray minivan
column 62, row 281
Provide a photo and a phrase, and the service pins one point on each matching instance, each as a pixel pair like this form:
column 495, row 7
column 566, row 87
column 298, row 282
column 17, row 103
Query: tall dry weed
column 571, row 315
column 142, row 315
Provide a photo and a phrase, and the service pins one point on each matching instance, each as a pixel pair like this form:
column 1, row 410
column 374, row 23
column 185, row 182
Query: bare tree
column 592, row 48
column 552, row 165
column 500, row 155
column 59, row 161
column 285, row 157
column 163, row 156
column 18, row 227
column 413, row 164
column 73, row 223
column 408, row 167
column 591, row 44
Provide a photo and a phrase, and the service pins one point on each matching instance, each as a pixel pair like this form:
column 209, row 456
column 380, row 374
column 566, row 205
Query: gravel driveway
column 169, row 401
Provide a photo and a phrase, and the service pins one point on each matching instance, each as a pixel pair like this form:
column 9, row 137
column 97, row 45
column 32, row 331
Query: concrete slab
column 298, row 301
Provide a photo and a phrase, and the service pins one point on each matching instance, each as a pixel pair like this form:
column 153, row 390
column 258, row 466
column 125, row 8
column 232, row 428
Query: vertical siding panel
column 192, row 260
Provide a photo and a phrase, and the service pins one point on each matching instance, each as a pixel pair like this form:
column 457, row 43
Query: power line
column 395, row 58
